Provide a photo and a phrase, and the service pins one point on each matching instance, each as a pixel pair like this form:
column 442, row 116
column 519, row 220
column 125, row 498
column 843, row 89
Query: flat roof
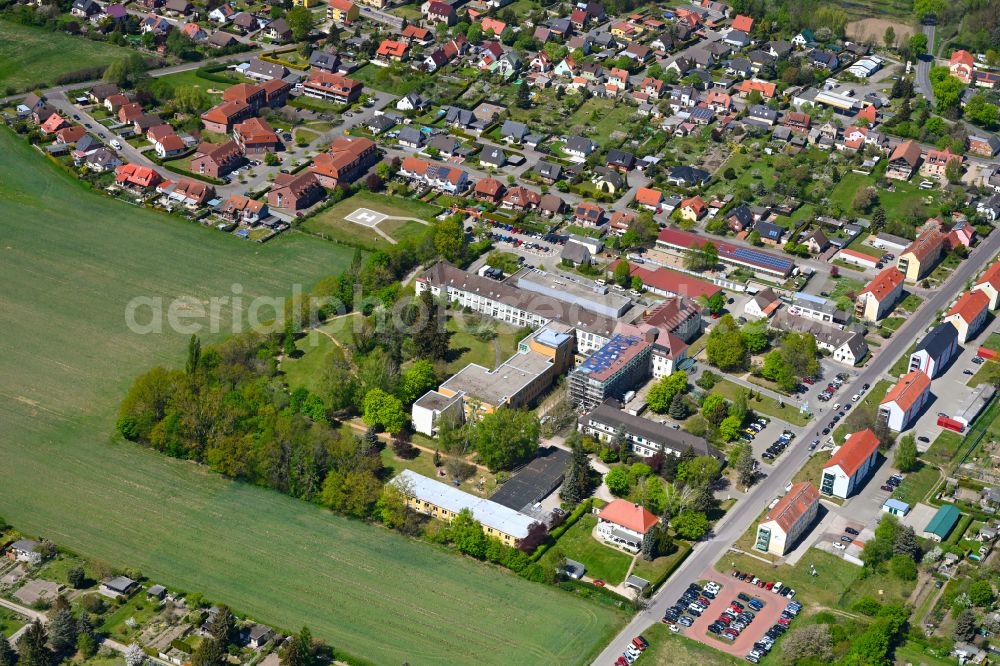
column 496, row 387
column 607, row 360
column 489, row 513
column 943, row 521
column 588, row 295
column 535, row 481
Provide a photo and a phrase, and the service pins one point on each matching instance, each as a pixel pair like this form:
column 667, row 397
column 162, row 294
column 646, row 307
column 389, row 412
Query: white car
column 855, row 397
column 116, row 144
column 674, row 628
column 839, row 546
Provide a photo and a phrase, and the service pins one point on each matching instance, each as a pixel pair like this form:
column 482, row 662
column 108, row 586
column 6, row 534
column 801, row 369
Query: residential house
column 295, row 192
column 194, row 32
column 127, row 113
column 53, row 124
column 442, row 178
column 25, row 550
column 877, row 299
column 718, row 101
column 786, row 522
column 246, row 21
column 342, row 11
column 845, row 346
column 935, row 350
column 962, row 65
column 644, row 436
column 85, row 9
column 575, row 254
column 412, row 102
column 221, row 40
column 244, row 210
column 816, row 241
column 222, row 117
column 763, row 115
column 414, row 34
column 258, row 636
column 246, row 93
column 101, row 92
column 278, row 31
column 551, row 205
column 489, row 190
column 770, row 233
column 521, row 199
column 823, row 60
column 333, row 87
column 747, row 86
column 903, row 161
column 216, row 159
column 693, row 208
column 492, row 157
column 936, row 163
column 651, row 88
column 178, row 7
column 620, row 160
column 609, row 181
column 70, row 135
column 102, row 160
column 588, row 214
column 137, row 177
column 740, row 219
column 119, row 586
column 904, row 401
column 157, row 25
column 548, row 172
column 391, row 50
column 115, row 101
column 763, row 304
column 188, row 191
column 989, row 284
column 168, row 145
column 625, row 524
column 222, row 13
column 261, row 70
column 579, row 148
column 850, row 465
column 984, row 146
column 854, row 138
column 649, row 199
column 921, row 255
column 687, row 176
column 255, row 136
column 968, row 314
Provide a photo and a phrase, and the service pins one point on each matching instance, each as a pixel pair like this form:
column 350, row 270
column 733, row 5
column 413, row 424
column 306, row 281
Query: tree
column 467, row 534
column 811, row 642
column 678, row 408
column 415, row 381
column 715, row 303
column 76, row 577
column 300, row 20
column 903, row 568
column 953, row 171
column 715, row 409
column 725, row 348
column 134, row 656
column 981, row 593
column 62, row 632
column 578, row 484
column 745, row 468
column 906, row 543
column 918, row 44
column 702, row 259
column 208, row 653
column 662, row 394
column 621, row 273
column 906, row 454
column 505, row 438
column 385, row 411
column 865, row 198
column 523, row 95
column 690, row 525
column 617, row 481
column 636, row 283
column 965, row 626
column 193, row 356
column 449, row 239
column 756, row 336
column 429, row 335
column 300, row 651
column 729, row 429
column 32, row 647
column 7, row 655
column 889, row 38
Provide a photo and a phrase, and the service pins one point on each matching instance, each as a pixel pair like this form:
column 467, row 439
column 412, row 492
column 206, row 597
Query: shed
column 637, row 584
column 942, row 523
column 574, row 569
column 156, row 592
column 896, row 507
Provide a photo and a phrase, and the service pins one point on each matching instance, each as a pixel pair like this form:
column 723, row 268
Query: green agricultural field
column 72, row 261
column 34, row 58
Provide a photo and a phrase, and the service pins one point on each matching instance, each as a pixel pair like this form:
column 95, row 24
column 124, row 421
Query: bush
column 866, row 606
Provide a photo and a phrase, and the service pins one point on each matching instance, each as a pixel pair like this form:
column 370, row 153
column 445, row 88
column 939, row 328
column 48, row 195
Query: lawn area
column 943, row 448
column 910, row 303
column 993, row 342
column 10, row 622
column 332, row 223
column 190, row 79
column 137, row 607
column 871, row 401
column 901, row 364
column 598, row 118
column 73, row 262
column 916, row 485
column 32, row 57
column 389, row 79
column 988, row 373
column 657, row 569
column 842, row 287
column 603, row 562
column 57, row 568
column 669, row 649
column 307, row 370
column 465, row 348
column 763, row 404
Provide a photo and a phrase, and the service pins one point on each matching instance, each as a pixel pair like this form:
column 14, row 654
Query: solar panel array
column 758, row 258
column 606, row 356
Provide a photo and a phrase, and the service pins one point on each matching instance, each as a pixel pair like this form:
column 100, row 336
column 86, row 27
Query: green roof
column 943, row 521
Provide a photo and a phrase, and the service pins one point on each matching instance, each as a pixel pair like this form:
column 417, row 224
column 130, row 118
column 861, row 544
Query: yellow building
column 444, row 502
column 921, row 256
column 342, row 11
column 377, row 4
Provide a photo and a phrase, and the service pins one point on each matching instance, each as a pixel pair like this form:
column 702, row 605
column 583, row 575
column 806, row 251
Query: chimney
column 651, row 335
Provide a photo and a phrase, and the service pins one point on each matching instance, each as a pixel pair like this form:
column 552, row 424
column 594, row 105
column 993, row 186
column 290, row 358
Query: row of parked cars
column 766, row 642
column 691, row 604
column 777, row 588
column 892, row 482
column 632, row 652
column 779, row 446
column 754, row 429
column 733, row 620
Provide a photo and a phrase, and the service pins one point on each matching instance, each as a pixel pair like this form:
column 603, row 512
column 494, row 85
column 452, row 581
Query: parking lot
column 766, row 618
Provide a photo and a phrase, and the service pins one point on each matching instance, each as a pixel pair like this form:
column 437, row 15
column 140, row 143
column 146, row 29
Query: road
column 742, row 515
column 924, row 64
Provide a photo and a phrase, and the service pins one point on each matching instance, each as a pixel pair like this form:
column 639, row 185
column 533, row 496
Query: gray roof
column 493, row 155
column 380, row 123
column 324, row 60
column 270, row 69
column 689, row 174
column 573, row 251
column 410, row 134
column 743, row 215
column 548, row 169
column 769, row 230
column 937, row 342
column 580, row 144
column 25, row 545
column 446, row 143
column 825, row 333
column 514, row 130
column 490, row 514
column 656, row 434
column 763, row 112
column 119, row 584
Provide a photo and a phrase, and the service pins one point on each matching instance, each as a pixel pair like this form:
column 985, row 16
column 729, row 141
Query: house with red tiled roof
column 250, row 94
column 188, row 191
column 521, row 199
column 937, row 161
column 414, row 33
column 623, row 523
column 114, row 102
column 718, row 101
column 962, row 65
column 876, row 300
column 621, row 221
column 137, row 177
column 742, row 23
column 693, row 209
column 295, row 192
column 127, row 113
column 391, row 50
column 921, row 255
column 989, row 284
column 216, row 159
column 968, row 314
column 904, row 160
column 169, row 145
column 342, row 11
column 588, row 214
column 329, row 86
column 904, row 401
column 69, row 135
column 489, row 190
column 649, row 199
column 346, row 160
column 869, row 113
column 221, row 117
column 850, row 464
column 797, row 121
column 854, row 138
column 765, row 88
column 244, row 210
column 255, row 136
column 491, row 24
column 440, row 12
column 53, row 124
column 788, row 520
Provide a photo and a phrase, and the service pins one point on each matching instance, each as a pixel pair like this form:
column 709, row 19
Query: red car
column 784, row 620
column 769, row 586
column 761, row 583
column 640, row 643
column 621, row 661
column 808, row 380
column 599, row 583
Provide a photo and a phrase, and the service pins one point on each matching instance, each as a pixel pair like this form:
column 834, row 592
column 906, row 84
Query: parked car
column 851, row 530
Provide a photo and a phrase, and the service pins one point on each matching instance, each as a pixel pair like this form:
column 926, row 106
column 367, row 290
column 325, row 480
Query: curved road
column 741, row 516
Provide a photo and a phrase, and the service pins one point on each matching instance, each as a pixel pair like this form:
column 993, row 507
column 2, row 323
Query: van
column 600, row 282
column 116, row 144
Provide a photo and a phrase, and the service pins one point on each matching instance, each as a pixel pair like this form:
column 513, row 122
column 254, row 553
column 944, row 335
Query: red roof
column 991, row 276
column 342, row 5
column 393, row 49
column 673, row 282
column 765, row 88
column 926, row 243
column 868, row 113
column 628, row 515
column 743, row 23
column 962, row 57
column 796, row 503
column 908, row 390
column 884, row 283
column 695, row 203
column 857, row 449
column 648, row 197
column 493, row 24
column 970, row 305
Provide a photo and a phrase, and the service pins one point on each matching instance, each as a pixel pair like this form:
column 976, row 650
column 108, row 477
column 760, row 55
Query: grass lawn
column 465, row 348
column 943, row 448
column 910, row 303
column 765, row 405
column 993, row 342
column 388, row 79
column 190, row 79
column 901, row 364
column 576, row 543
column 598, row 118
column 844, row 286
column 10, row 622
column 423, row 464
column 670, row 649
column 73, row 261
column 871, row 401
column 332, row 223
column 916, row 485
column 307, row 370
column 137, row 607
column 34, row 58
column 57, row 568
column 657, row 569
column 988, row 373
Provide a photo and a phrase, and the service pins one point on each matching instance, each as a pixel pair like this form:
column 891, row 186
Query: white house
column 24, row 550
column 849, row 466
column 935, row 349
column 427, row 411
column 989, row 284
column 969, row 314
column 877, row 299
column 625, row 524
column 763, row 304
column 787, row 520
column 905, row 400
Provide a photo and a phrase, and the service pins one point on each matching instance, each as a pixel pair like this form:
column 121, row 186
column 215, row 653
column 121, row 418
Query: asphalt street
column 740, row 517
